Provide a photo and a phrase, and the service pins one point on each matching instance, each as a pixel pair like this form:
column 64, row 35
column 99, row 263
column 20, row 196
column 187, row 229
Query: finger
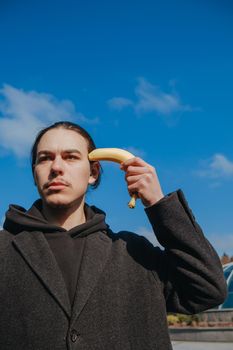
column 132, row 179
column 147, row 177
column 134, row 161
column 139, row 168
column 134, row 170
column 134, row 188
column 135, row 194
column 141, row 181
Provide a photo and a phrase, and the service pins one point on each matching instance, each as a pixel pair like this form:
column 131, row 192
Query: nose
column 57, row 166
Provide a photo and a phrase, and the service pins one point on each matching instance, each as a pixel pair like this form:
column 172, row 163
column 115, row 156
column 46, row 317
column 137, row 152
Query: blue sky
column 148, row 76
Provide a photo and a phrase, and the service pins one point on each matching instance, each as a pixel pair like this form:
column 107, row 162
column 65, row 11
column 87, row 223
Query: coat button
column 73, row 335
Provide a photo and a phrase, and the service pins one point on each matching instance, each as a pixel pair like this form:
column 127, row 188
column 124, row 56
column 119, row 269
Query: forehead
column 61, row 139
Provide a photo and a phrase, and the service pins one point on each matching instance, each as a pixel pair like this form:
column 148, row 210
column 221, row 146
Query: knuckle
column 152, row 169
column 140, row 191
column 128, row 180
column 131, row 189
column 141, row 182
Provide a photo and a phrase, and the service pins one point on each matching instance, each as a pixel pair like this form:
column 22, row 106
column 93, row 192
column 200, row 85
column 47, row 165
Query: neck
column 66, row 217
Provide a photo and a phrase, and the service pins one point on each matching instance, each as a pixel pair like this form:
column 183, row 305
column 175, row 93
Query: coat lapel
column 96, row 252
column 35, row 250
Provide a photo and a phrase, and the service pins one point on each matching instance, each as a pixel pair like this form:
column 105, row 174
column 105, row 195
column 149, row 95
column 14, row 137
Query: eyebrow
column 64, row 151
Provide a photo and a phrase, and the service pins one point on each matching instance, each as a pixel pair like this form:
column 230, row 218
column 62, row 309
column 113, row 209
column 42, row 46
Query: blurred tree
column 225, row 259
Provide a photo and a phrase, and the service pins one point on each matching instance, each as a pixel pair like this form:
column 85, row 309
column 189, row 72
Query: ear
column 94, row 173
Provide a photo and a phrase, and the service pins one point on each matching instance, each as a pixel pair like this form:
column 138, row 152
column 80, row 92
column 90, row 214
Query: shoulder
column 128, row 237
column 4, row 234
column 5, row 238
column 136, row 246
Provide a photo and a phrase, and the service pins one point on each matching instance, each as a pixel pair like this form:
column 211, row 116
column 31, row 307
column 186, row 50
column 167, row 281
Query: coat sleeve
column 189, row 268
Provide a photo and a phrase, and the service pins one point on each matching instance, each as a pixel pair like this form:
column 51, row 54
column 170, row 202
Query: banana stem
column 132, row 202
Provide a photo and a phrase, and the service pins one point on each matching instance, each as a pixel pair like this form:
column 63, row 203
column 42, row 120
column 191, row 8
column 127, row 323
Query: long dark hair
column 69, row 126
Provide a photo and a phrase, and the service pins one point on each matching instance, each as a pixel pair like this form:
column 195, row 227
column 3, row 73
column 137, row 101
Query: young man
column 68, row 282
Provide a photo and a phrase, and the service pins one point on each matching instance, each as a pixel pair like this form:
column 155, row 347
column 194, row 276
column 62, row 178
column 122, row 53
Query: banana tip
column 132, row 202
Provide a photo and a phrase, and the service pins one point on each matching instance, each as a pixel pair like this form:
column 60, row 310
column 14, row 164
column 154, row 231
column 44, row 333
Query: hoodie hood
column 19, row 219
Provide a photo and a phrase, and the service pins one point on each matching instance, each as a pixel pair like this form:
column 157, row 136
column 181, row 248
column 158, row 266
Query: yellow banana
column 117, row 155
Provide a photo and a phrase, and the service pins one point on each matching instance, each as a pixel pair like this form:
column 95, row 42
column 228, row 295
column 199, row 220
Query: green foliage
column 181, row 319
column 172, row 319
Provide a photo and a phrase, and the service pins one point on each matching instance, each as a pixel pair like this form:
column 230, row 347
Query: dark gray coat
column 124, row 288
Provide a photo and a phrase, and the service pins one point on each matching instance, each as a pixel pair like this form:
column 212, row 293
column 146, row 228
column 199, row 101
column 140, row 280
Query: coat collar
column 35, row 250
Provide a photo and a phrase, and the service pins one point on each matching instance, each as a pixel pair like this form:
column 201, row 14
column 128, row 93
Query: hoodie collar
column 19, row 219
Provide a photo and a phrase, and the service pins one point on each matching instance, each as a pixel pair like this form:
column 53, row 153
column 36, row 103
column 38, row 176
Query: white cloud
column 150, row 98
column 223, row 243
column 23, row 114
column 119, row 103
column 2, row 222
column 218, row 166
column 149, row 234
column 222, row 165
column 136, row 151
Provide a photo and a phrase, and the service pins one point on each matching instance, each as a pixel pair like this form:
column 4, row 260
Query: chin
column 59, row 202
column 58, row 205
column 56, row 201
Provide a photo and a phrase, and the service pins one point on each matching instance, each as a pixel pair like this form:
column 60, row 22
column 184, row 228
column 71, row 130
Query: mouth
column 56, row 185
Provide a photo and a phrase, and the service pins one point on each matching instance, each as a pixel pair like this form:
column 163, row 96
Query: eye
column 43, row 158
column 72, row 157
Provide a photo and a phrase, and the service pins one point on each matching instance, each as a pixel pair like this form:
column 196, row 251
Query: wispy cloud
column 151, row 98
column 149, row 234
column 217, row 167
column 2, row 222
column 136, row 151
column 24, row 113
column 119, row 103
column 222, row 242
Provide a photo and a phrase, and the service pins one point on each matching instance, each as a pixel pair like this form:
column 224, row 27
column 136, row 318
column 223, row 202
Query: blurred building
column 228, row 273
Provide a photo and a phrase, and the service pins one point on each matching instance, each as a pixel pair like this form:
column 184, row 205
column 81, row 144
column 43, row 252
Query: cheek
column 82, row 173
column 38, row 177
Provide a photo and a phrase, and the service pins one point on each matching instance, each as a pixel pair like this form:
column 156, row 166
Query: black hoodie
column 67, row 246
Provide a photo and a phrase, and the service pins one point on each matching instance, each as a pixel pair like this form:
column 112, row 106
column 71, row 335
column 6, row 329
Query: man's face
column 62, row 169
